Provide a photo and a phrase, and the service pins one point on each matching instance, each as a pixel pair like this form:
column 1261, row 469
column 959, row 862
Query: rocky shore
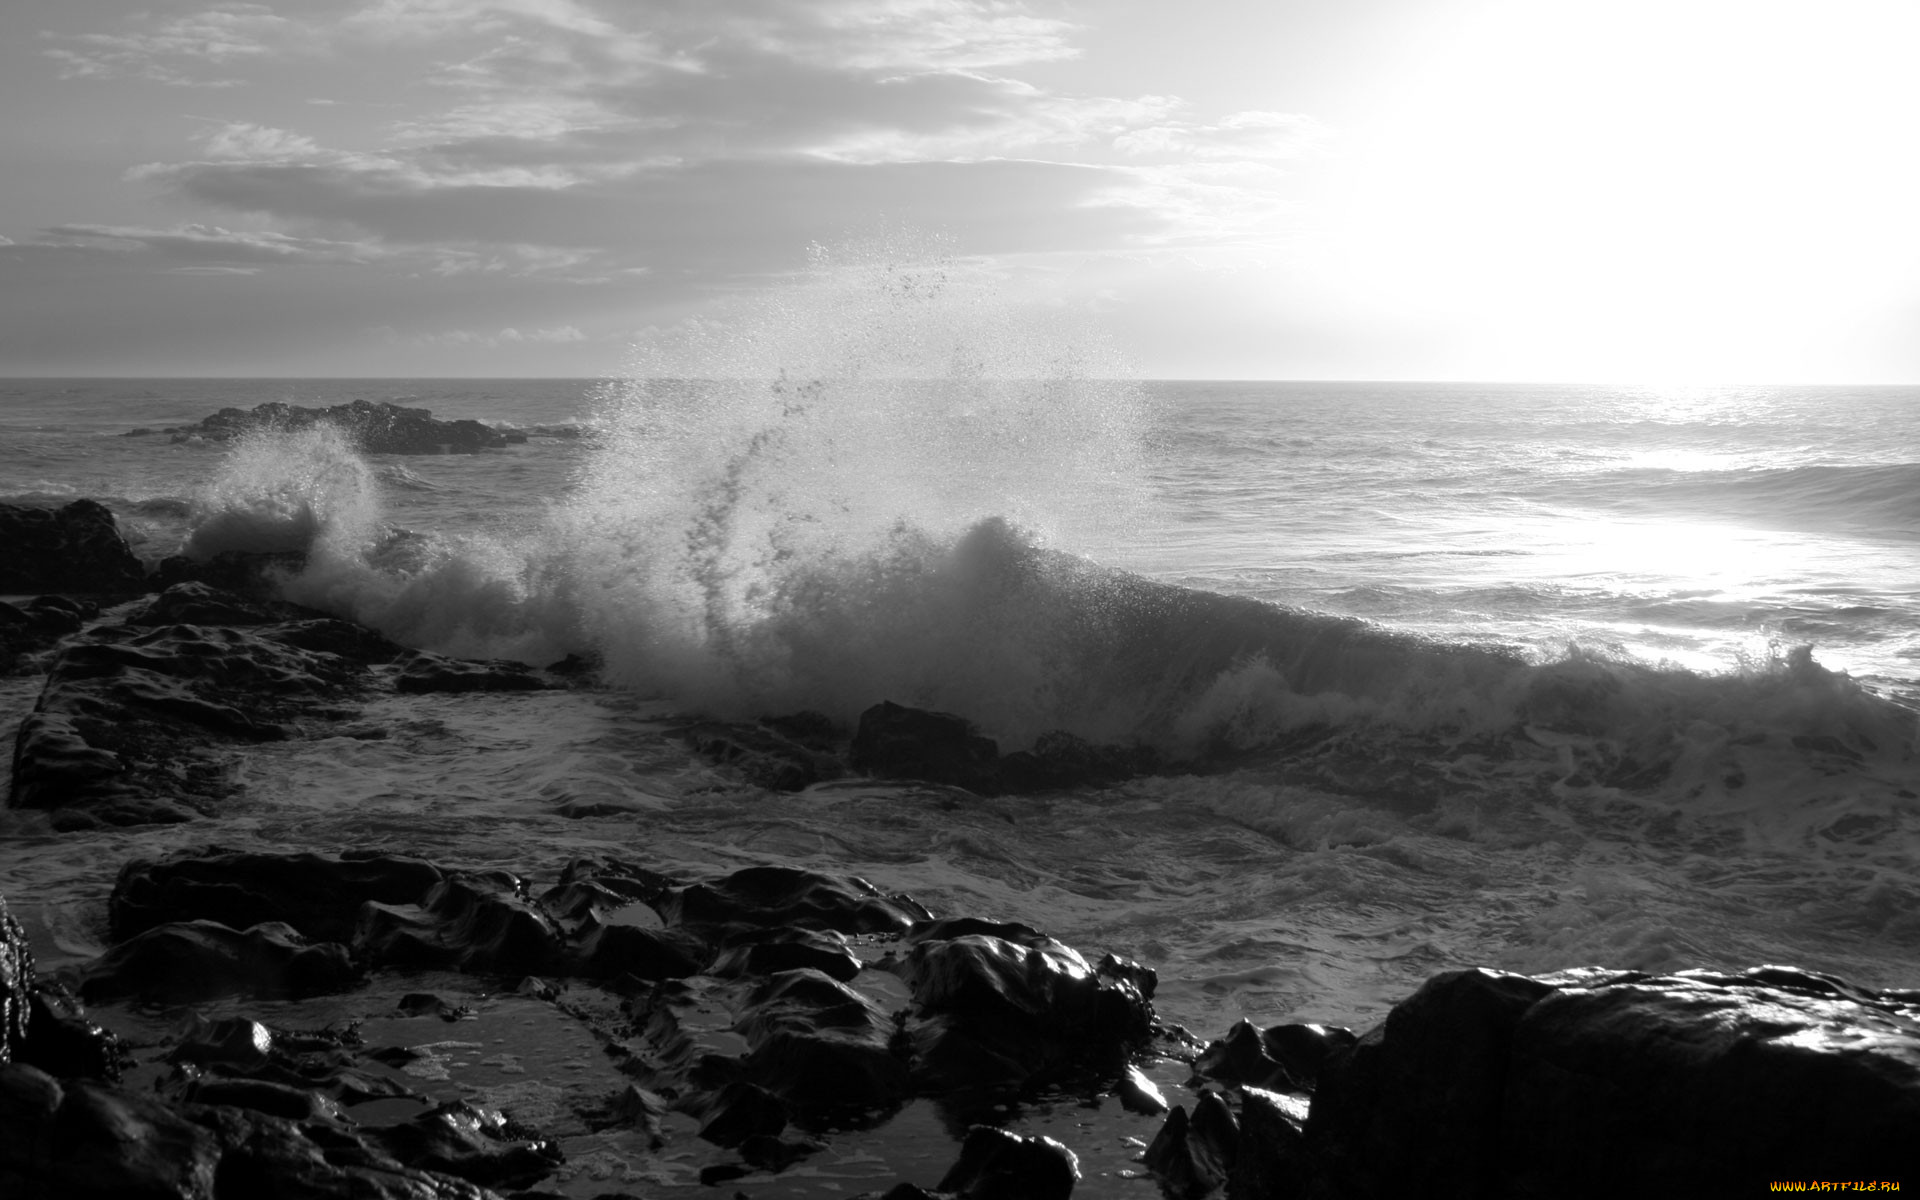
column 302, row 1023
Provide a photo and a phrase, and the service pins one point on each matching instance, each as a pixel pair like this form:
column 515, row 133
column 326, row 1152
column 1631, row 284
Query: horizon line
column 1288, row 379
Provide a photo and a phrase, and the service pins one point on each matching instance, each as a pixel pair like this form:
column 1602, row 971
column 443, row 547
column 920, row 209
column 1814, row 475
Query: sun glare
column 1686, row 190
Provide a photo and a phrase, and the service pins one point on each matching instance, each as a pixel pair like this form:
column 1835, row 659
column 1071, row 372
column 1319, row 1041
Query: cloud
column 200, row 245
column 1255, row 136
column 708, row 139
column 177, row 50
column 510, row 336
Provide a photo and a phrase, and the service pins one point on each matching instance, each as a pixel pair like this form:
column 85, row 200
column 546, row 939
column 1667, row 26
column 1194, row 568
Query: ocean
column 1524, row 676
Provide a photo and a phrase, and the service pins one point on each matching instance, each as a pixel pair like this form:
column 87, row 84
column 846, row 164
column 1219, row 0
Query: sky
column 1629, row 190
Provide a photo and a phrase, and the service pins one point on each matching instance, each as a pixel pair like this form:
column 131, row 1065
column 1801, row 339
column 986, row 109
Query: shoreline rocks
column 1480, row 1084
column 74, row 548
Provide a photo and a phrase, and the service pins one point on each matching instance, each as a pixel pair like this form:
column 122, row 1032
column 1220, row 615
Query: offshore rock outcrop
column 893, row 741
column 377, row 427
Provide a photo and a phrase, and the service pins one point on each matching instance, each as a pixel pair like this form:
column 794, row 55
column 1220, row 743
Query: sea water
column 1526, row 676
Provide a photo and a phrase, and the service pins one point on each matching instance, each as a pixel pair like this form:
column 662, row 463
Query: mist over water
column 846, row 497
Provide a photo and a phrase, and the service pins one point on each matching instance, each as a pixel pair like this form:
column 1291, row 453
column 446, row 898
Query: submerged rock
column 897, row 742
column 424, row 672
column 74, row 548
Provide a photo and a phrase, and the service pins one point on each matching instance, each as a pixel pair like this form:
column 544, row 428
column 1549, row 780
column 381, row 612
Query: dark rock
column 821, row 1047
column 777, row 1154
column 28, row 632
column 75, row 548
column 130, row 725
column 200, row 603
column 740, row 1112
column 377, row 428
column 469, row 921
column 763, row 755
column 424, row 672
column 1285, row 1058
column 769, row 897
column 62, row 1041
column 1422, row 1092
column 238, row 1042
column 1139, row 1094
column 200, row 960
column 992, row 1011
column 1060, row 760
column 82, row 1141
column 1193, row 1156
column 768, row 951
column 241, row 572
column 485, row 921
column 426, row 1004
column 264, row 1096
column 896, row 742
column 318, row 895
column 475, row 1144
column 1611, row 1082
column 997, row 1165
column 1271, row 1160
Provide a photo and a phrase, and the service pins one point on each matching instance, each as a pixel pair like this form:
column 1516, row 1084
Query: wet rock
column 377, row 427
column 765, row 952
column 240, row 1043
column 771, row 897
column 1060, row 760
column 129, row 726
column 74, row 548
column 475, row 1144
column 1138, row 1094
column 822, row 1048
column 319, row 895
column 1285, row 1058
column 486, row 921
column 997, row 1165
column 131, row 722
column 201, row 960
column 16, row 984
column 424, row 672
column 63, row 1041
column 264, row 1096
column 763, row 755
column 470, row 921
column 1491, row 1084
column 1271, row 1159
column 1005, row 1011
column 740, row 1112
column 896, row 742
column 83, row 1141
column 241, row 572
column 1193, row 1156
column 200, row 603
column 28, row 631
